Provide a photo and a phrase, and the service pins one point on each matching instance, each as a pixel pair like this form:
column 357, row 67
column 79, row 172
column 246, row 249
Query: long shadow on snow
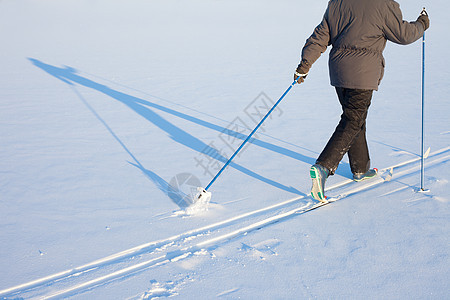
column 140, row 106
column 177, row 197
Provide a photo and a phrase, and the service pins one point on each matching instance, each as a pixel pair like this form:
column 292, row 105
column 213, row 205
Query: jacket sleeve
column 396, row 29
column 317, row 43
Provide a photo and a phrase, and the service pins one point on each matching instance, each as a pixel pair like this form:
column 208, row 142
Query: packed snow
column 113, row 113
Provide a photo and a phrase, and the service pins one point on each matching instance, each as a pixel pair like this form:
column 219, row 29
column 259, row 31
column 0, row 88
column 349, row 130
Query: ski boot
column 363, row 176
column 318, row 175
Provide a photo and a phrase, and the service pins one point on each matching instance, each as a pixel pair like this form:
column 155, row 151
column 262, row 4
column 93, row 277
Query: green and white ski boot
column 318, row 175
column 363, row 176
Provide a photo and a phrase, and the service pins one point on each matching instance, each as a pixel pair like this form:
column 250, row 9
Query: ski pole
column 246, row 140
column 422, row 175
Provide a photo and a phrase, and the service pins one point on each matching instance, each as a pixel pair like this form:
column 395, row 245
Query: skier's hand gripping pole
column 302, row 71
column 424, row 19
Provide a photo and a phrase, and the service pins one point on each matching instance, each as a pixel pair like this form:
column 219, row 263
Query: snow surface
column 109, row 109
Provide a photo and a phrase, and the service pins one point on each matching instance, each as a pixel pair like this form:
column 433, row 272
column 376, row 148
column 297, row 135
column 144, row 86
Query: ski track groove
column 185, row 243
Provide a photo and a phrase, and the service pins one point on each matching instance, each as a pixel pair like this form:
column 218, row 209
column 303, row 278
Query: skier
column 358, row 31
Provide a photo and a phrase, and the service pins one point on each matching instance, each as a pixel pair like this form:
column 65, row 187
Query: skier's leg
column 358, row 154
column 355, row 104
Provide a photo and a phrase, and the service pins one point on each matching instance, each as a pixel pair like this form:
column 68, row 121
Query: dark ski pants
column 350, row 134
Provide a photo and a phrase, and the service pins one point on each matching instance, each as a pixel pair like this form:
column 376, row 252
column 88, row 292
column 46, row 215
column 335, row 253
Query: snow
column 109, row 109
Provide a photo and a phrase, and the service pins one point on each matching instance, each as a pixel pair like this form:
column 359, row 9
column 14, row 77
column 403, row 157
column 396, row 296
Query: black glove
column 302, row 71
column 423, row 18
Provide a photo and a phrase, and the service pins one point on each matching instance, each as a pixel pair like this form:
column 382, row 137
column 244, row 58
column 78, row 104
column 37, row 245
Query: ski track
column 178, row 247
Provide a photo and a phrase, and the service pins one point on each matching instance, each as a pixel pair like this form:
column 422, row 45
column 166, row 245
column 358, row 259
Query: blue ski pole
column 203, row 192
column 422, row 175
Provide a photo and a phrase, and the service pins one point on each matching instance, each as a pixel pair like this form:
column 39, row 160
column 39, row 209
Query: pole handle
column 424, row 12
